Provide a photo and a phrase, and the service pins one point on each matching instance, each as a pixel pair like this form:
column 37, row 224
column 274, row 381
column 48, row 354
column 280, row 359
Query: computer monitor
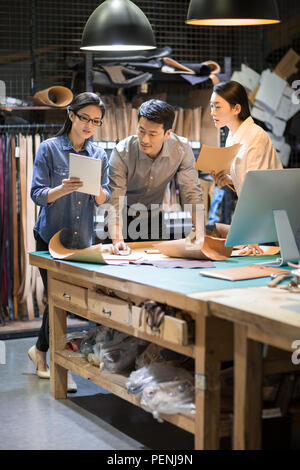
column 268, row 210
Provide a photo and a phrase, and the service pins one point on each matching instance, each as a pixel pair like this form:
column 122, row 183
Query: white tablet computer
column 88, row 170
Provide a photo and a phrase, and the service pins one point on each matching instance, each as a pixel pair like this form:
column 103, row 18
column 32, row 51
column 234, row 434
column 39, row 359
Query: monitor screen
column 268, row 210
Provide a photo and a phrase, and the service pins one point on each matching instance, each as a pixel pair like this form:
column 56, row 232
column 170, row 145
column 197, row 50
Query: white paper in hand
column 88, row 170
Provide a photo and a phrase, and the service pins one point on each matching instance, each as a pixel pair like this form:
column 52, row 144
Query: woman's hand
column 68, row 186
column 221, row 178
column 251, row 250
column 71, row 184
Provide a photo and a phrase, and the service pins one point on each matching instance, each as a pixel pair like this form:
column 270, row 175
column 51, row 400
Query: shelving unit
column 75, row 289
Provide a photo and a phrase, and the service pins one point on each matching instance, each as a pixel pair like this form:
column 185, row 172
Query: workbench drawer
column 69, row 293
column 109, row 307
column 174, row 330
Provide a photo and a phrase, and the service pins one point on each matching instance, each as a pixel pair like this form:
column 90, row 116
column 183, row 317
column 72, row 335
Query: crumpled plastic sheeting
column 112, row 350
column 163, row 389
column 172, row 397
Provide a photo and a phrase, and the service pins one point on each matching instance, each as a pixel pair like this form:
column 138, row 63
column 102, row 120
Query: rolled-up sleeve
column 41, row 177
column 187, row 178
column 105, row 179
column 118, row 186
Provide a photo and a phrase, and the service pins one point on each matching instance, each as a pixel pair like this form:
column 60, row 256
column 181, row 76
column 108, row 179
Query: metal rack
column 28, row 128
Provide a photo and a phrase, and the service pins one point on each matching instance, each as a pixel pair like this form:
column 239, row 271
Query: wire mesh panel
column 15, row 39
column 40, row 40
column 49, row 34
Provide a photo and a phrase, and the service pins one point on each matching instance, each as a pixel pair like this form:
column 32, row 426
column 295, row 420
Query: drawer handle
column 106, row 312
column 66, row 296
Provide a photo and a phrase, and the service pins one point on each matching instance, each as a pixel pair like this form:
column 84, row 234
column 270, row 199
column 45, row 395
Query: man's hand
column 120, row 248
column 251, row 250
column 221, row 178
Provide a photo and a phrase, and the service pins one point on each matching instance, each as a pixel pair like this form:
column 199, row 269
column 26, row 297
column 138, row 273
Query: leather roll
column 57, row 96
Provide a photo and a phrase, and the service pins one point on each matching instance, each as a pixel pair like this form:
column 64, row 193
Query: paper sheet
column 246, row 77
column 88, row 170
column 216, row 158
column 270, row 91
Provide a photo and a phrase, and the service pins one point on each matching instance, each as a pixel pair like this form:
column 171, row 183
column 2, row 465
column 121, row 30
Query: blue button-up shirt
column 73, row 211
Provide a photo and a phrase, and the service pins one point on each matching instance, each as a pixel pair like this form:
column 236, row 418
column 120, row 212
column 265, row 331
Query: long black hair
column 79, row 102
column 234, row 93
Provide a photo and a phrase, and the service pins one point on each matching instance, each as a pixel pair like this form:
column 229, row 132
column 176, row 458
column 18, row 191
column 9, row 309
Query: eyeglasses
column 95, row 122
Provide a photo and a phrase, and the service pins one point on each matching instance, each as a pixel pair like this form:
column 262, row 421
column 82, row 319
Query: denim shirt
column 74, row 211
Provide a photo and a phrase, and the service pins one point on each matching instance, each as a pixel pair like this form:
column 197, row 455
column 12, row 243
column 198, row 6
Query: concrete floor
column 91, row 419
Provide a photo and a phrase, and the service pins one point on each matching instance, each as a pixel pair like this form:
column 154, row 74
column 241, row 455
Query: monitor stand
column 287, row 243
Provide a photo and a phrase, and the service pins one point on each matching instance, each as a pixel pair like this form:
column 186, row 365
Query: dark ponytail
column 234, row 93
column 79, row 102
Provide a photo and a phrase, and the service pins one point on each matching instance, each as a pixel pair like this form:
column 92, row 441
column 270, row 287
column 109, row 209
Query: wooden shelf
column 30, row 108
column 115, row 383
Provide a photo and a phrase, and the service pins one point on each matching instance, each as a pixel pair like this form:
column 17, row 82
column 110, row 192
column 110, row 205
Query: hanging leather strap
column 4, row 209
column 15, row 234
column 30, row 219
column 8, row 217
column 39, row 286
column 25, row 282
column 2, row 190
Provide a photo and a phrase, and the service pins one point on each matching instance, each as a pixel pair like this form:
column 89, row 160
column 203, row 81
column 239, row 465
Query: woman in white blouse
column 230, row 107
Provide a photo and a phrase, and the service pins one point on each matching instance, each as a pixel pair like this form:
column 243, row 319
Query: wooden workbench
column 261, row 316
column 100, row 292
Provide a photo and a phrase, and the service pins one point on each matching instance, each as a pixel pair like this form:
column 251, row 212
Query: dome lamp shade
column 232, row 12
column 117, row 25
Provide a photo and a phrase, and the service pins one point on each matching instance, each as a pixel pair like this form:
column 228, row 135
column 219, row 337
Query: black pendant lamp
column 117, row 25
column 232, row 12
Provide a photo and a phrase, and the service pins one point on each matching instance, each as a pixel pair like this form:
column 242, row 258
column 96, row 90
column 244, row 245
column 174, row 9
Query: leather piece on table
column 244, row 272
column 219, row 230
column 62, row 96
column 213, row 249
column 92, row 254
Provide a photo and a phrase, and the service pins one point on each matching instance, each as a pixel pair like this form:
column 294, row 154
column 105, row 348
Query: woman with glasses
column 61, row 205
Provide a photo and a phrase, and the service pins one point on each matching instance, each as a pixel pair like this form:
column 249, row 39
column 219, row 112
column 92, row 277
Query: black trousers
column 42, row 343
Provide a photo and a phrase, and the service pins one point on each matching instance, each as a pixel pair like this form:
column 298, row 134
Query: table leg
column 248, row 382
column 58, row 374
column 207, row 384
